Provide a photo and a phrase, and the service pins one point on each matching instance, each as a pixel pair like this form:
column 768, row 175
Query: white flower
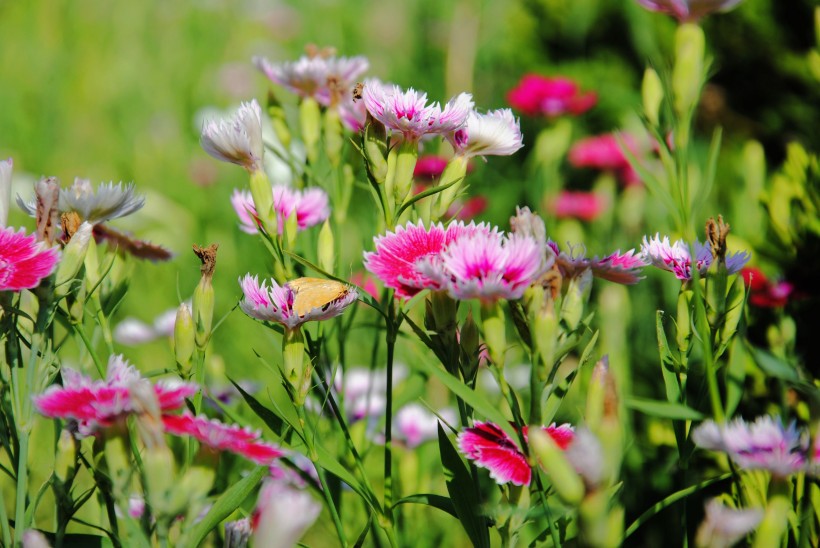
column 723, row 526
column 282, row 515
column 238, row 139
column 108, row 202
column 496, row 133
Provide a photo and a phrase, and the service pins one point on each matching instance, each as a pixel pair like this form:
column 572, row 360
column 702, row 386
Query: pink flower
column 763, row 292
column 408, row 113
column 399, row 253
column 282, row 515
column 495, row 133
column 551, row 97
column 491, row 448
column 353, row 114
column 296, row 302
column 581, row 205
column 465, row 211
column 677, row 258
column 96, row 404
column 604, row 152
column 222, row 437
column 487, row 266
column 309, row 205
column 23, row 261
column 762, row 445
column 688, row 10
column 366, row 283
column 415, row 424
column 429, row 167
column 324, row 78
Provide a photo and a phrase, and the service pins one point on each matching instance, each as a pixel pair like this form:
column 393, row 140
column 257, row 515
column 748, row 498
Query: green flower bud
column 572, row 308
column 158, row 463
column 310, row 120
column 190, row 491
column 334, row 136
column 683, row 335
column 688, row 73
column 184, row 339
column 776, row 518
column 117, row 453
column 374, row 144
column 453, row 175
column 564, row 478
column 291, row 230
column 495, row 332
column 327, row 248
column 652, row 93
column 278, row 120
column 293, row 358
column 66, row 459
column 262, row 195
column 401, row 162
column 72, row 259
column 203, row 299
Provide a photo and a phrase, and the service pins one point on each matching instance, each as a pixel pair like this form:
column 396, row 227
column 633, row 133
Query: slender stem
column 4, row 523
column 22, row 487
column 388, row 427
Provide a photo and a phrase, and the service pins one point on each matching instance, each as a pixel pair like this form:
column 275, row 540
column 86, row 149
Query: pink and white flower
column 415, row 424
column 495, row 133
column 23, row 261
column 604, row 152
column 324, row 79
column 487, row 266
column 277, row 303
column 398, row 254
column 688, row 10
column 551, row 97
column 282, row 515
column 490, row 447
column 723, row 526
column 238, row 139
column 586, row 206
column 95, row 404
column 222, row 437
column 310, row 206
column 677, row 257
column 765, row 444
column 407, row 112
column 108, row 202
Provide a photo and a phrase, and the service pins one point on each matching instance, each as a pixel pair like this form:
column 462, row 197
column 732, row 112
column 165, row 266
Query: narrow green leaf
column 363, row 535
column 271, row 419
column 226, row 504
column 462, row 492
column 774, row 366
column 333, row 466
column 436, row 501
column 664, row 409
column 670, row 380
column 735, row 375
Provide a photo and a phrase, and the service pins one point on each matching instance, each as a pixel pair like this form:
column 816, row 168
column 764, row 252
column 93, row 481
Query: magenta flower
column 23, row 261
column 222, row 437
column 604, row 152
column 309, row 205
column 408, row 113
column 95, row 404
column 429, row 167
column 766, row 293
column 296, row 302
column 495, row 133
column 762, row 445
column 688, row 10
column 677, row 258
column 491, row 448
column 586, row 206
column 398, row 254
column 487, row 266
column 325, row 79
column 465, row 211
column 551, row 97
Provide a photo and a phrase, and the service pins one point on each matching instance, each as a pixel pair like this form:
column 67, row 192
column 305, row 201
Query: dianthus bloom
column 222, row 437
column 323, row 78
column 487, row 266
column 415, row 424
column 399, row 253
column 677, row 258
column 495, row 133
column 282, row 514
column 23, row 261
column 108, row 202
column 309, row 205
column 765, row 293
column 762, row 445
column 95, row 404
column 723, row 526
column 623, row 268
column 429, row 167
column 604, row 152
column 586, row 206
column 238, row 139
column 407, row 112
column 490, row 447
column 551, row 97
column 688, row 10
column 296, row 302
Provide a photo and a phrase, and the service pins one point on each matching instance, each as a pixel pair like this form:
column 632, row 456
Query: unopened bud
column 184, row 339
column 401, row 162
column 72, row 259
column 293, row 358
column 374, row 143
column 158, row 463
column 191, row 490
column 310, row 120
column 327, row 248
column 262, row 195
column 688, row 71
column 495, row 332
column 203, row 299
column 572, row 309
column 278, row 120
column 334, row 136
column 291, row 229
column 602, row 396
column 683, row 334
column 453, row 175
column 66, row 458
column 564, row 478
column 652, row 93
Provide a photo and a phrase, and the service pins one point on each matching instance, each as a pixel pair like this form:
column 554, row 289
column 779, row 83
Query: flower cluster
column 489, row 446
column 551, row 97
column 677, row 258
column 310, row 207
column 765, row 444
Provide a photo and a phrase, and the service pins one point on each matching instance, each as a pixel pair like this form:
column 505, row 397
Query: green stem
column 4, row 522
column 78, row 329
column 22, row 487
column 388, row 427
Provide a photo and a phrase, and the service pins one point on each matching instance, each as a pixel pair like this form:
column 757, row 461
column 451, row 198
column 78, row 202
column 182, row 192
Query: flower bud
column 263, row 201
column 688, row 71
column 72, row 260
column 401, row 162
column 282, row 515
column 190, row 491
column 291, row 230
column 470, row 348
column 374, row 144
column 453, row 175
column 293, row 358
column 66, row 459
column 158, row 464
column 278, row 120
column 184, row 339
column 652, row 93
column 203, row 299
column 310, row 120
column 495, row 332
column 327, row 248
column 572, row 309
column 564, row 478
column 117, row 458
column 776, row 517
column 683, row 334
column 334, row 136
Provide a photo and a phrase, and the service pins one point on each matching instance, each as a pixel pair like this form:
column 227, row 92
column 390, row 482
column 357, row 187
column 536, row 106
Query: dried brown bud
column 716, row 232
column 69, row 221
column 208, row 257
column 47, row 192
